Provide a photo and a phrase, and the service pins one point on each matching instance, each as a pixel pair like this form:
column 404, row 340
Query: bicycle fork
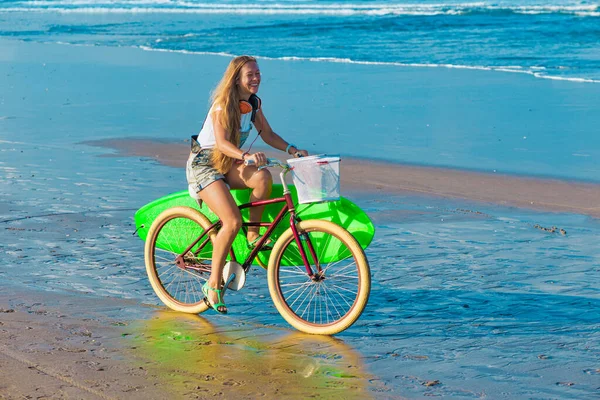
column 302, row 237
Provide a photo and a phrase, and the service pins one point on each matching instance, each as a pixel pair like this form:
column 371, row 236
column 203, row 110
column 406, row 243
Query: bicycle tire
column 169, row 235
column 341, row 257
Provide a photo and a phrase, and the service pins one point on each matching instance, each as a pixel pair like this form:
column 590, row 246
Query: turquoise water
column 556, row 39
column 495, row 86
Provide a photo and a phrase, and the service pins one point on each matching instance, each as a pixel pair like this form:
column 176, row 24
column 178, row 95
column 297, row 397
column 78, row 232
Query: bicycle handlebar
column 271, row 162
column 274, row 162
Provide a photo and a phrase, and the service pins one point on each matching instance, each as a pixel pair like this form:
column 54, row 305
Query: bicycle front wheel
column 335, row 297
column 177, row 276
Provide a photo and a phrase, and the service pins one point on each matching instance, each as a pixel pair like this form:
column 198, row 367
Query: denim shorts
column 200, row 172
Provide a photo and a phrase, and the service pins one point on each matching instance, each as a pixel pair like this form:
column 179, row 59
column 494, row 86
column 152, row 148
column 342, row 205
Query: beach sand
column 59, row 346
column 373, row 177
column 470, row 297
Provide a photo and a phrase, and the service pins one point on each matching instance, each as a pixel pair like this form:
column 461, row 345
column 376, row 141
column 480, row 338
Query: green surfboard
column 342, row 212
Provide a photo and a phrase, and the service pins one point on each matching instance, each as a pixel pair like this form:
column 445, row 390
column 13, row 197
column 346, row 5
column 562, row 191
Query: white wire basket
column 317, row 178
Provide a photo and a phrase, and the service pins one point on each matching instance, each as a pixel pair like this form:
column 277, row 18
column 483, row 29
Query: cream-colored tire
column 170, row 234
column 334, row 300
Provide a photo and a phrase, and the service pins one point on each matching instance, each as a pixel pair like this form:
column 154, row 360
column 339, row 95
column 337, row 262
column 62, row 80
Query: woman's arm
column 273, row 139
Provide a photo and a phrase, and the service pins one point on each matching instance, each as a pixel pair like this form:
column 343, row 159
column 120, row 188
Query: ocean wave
column 339, row 9
column 533, row 71
column 206, row 53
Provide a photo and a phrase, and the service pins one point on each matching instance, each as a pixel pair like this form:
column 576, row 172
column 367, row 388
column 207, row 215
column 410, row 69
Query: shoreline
column 333, row 60
column 361, row 175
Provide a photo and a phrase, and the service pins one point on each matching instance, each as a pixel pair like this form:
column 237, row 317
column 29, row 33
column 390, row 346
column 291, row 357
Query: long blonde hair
column 226, row 96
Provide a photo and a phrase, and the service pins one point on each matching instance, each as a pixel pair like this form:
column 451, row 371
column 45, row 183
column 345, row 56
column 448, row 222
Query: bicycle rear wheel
column 177, row 278
column 335, row 298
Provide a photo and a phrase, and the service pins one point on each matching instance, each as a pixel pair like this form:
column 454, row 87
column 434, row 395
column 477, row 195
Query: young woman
column 216, row 163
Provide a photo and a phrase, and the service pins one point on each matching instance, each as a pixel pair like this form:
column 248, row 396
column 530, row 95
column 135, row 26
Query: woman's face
column 248, row 79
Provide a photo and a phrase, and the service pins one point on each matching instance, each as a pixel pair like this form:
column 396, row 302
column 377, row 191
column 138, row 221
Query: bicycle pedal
column 228, row 282
column 234, row 276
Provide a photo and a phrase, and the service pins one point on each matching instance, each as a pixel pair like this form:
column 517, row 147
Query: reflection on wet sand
column 200, row 359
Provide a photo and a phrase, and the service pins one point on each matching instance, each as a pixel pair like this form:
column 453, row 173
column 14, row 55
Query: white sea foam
column 515, row 69
column 245, row 10
column 207, row 53
column 565, row 78
column 340, row 9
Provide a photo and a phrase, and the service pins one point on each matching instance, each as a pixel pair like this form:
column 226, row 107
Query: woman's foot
column 214, row 298
column 253, row 240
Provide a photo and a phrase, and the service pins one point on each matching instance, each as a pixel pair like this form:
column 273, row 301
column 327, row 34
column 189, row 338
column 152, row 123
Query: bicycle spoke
column 178, row 290
column 344, row 276
column 292, row 284
column 324, row 247
column 302, row 287
column 169, row 233
column 171, row 268
column 185, row 296
column 339, row 289
column 295, row 288
column 308, row 303
column 169, row 260
column 341, row 296
column 339, row 314
column 299, row 272
column 330, row 265
column 307, row 299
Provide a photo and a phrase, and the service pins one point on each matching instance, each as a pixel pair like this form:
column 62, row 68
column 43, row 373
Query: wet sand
column 371, row 177
column 58, row 346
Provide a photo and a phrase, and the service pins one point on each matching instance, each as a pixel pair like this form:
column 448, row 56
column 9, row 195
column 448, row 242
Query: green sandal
column 216, row 306
column 268, row 246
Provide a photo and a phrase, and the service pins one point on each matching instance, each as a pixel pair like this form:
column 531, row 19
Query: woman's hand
column 259, row 158
column 300, row 153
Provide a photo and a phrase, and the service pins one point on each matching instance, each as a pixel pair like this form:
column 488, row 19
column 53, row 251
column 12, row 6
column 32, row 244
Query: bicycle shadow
column 193, row 355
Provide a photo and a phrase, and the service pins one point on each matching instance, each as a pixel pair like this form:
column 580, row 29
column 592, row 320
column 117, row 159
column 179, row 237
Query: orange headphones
column 252, row 105
column 245, row 107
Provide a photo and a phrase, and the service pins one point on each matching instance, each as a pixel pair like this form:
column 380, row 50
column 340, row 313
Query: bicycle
column 318, row 275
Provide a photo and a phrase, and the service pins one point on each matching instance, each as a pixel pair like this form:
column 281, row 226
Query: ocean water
column 553, row 39
column 543, row 125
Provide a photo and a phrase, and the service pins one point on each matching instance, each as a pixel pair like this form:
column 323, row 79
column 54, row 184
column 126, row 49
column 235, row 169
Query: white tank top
column 206, row 137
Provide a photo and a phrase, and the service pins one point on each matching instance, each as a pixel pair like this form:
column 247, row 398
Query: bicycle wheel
column 177, row 278
column 334, row 299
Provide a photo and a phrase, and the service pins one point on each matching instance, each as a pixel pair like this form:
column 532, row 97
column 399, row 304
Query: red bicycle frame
column 287, row 207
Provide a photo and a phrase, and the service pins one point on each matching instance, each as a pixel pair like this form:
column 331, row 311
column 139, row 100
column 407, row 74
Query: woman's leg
column 218, row 198
column 261, row 182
